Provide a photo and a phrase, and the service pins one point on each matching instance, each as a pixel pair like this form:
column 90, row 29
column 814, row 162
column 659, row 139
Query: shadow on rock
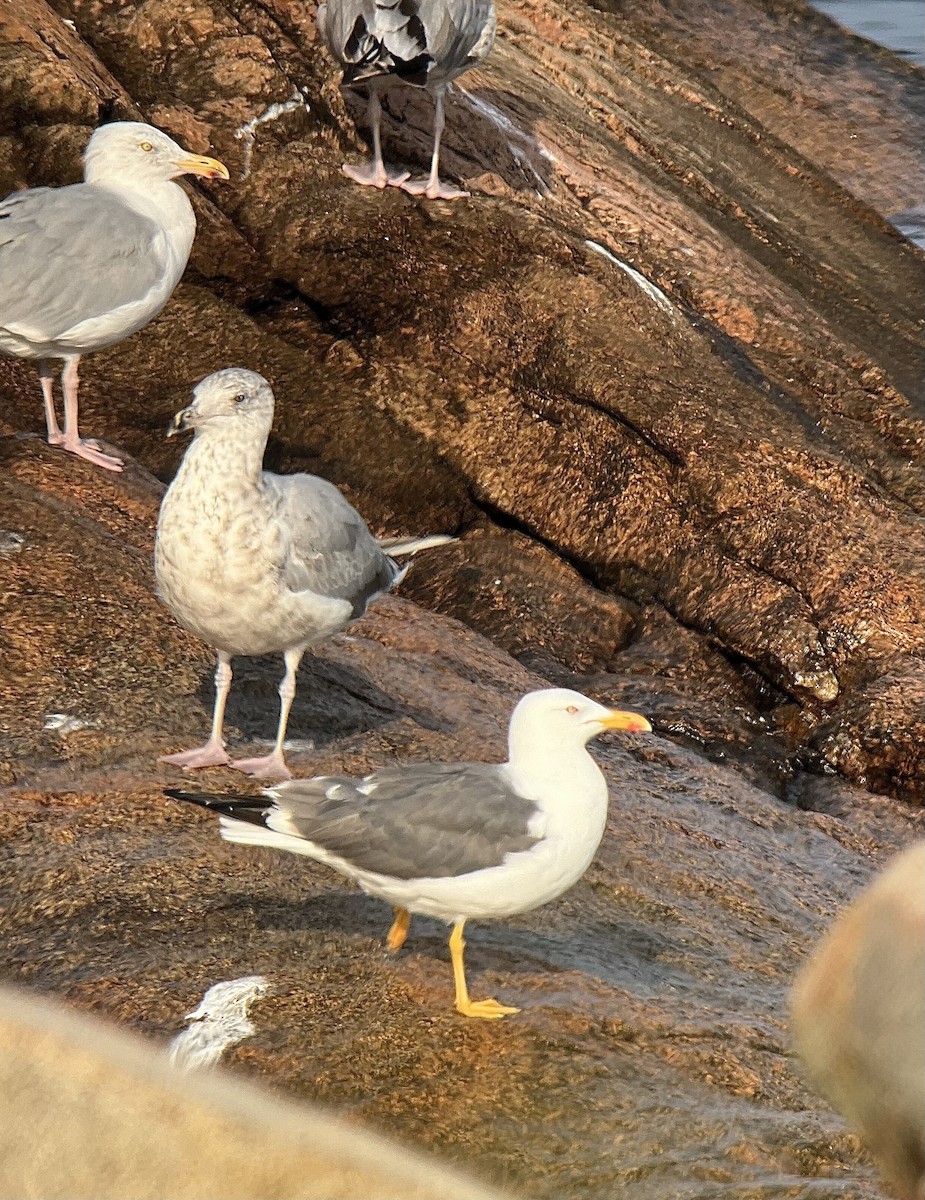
column 333, row 702
column 489, row 132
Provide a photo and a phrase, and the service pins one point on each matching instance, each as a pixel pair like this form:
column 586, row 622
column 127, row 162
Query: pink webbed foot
column 271, row 766
column 212, row 754
column 58, row 439
column 434, row 191
column 89, row 449
column 374, row 175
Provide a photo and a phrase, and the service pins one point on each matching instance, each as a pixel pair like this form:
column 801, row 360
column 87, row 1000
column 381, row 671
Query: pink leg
column 273, row 765
column 46, row 375
column 73, row 442
column 373, row 173
column 212, row 754
column 431, row 187
column 55, row 436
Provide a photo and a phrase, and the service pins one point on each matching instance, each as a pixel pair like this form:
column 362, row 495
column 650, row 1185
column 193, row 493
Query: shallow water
column 897, row 24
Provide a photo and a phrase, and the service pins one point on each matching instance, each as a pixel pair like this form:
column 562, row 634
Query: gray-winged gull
column 84, row 266
column 253, row 562
column 425, row 43
column 452, row 841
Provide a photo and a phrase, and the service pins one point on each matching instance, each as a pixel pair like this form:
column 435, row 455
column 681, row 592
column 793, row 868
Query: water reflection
column 897, row 24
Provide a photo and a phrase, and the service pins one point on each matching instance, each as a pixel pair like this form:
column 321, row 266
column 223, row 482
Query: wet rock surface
column 651, row 1056
column 661, row 376
column 661, row 342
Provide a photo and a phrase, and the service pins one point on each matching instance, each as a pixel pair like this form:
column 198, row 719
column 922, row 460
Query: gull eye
column 572, row 708
column 240, row 398
column 146, row 146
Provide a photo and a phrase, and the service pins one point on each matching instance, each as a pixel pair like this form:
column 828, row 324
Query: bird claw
column 433, row 191
column 212, row 754
column 369, row 175
column 271, row 766
column 90, row 450
column 488, row 1010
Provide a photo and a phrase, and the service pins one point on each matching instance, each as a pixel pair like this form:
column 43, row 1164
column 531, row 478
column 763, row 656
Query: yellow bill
column 631, row 722
column 209, row 168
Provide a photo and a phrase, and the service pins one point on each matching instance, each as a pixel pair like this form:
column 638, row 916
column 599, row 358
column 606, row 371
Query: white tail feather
column 244, row 833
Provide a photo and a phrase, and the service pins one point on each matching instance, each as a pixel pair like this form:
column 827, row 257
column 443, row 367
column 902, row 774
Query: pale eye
column 146, row 146
column 572, row 708
column 240, row 398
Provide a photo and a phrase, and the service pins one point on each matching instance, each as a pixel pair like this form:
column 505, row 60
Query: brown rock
column 716, row 433
column 858, row 1016
column 525, row 599
column 738, row 448
column 93, row 1114
column 654, row 990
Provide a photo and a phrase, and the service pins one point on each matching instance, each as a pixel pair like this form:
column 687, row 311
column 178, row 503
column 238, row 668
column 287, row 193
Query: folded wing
column 325, row 545
column 68, row 255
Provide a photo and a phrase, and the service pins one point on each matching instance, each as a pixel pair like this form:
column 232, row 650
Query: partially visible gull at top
column 255, row 563
column 424, row 43
column 84, row 266
column 453, row 840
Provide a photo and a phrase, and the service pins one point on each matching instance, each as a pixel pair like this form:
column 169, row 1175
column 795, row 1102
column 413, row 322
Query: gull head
column 130, row 153
column 557, row 718
column 229, row 402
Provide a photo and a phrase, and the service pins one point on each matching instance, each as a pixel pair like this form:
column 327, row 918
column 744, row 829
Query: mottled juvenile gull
column 425, row 43
column 84, row 266
column 255, row 563
column 457, row 840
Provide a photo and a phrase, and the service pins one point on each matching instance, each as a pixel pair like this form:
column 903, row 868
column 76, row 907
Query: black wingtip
column 203, row 799
column 212, row 800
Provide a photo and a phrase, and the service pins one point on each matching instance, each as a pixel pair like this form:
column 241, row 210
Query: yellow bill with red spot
column 198, row 164
column 627, row 721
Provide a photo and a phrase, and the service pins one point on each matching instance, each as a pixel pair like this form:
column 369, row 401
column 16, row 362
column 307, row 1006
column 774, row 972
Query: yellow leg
column 490, row 1010
column 395, row 938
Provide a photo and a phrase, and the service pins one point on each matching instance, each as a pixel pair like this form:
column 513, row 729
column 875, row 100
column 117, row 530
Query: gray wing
column 414, row 40
column 326, row 547
column 421, row 821
column 72, row 253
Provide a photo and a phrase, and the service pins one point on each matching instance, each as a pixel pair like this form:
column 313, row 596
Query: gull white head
column 130, row 153
column 560, row 720
column 230, row 402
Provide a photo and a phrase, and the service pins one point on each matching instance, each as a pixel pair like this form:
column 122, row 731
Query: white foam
column 11, row 542
column 64, row 724
column 651, row 290
column 221, row 1021
column 247, row 133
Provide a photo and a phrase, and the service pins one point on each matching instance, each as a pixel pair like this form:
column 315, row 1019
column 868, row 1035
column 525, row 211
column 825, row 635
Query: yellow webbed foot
column 488, row 1010
column 395, row 938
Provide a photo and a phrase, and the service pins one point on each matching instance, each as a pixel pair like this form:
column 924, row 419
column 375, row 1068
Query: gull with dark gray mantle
column 452, row 840
column 424, row 43
column 83, row 267
column 255, row 563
